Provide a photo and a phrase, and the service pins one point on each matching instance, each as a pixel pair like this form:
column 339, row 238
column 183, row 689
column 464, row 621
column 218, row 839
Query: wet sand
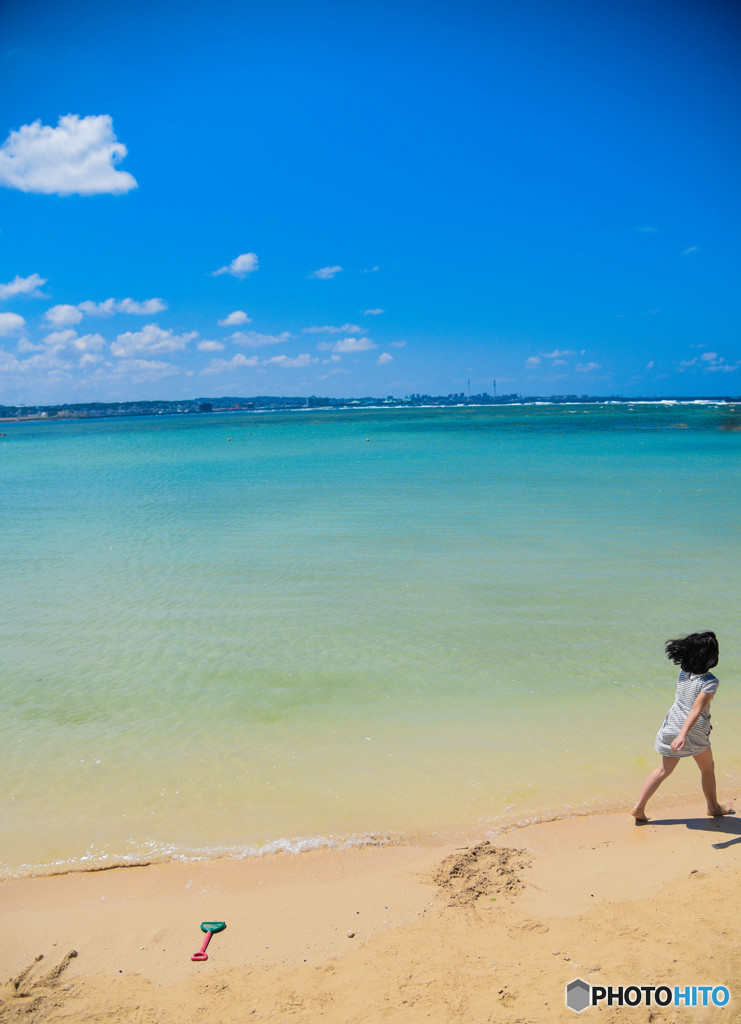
column 476, row 932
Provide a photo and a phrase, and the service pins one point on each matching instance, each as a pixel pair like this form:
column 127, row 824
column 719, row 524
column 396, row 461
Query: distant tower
column 495, row 388
column 469, row 389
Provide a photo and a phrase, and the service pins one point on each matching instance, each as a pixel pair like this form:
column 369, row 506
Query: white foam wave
column 160, row 853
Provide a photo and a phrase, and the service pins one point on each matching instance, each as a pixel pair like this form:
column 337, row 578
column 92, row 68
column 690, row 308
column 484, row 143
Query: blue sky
column 246, row 198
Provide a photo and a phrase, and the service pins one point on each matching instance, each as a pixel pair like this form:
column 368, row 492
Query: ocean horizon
column 242, row 632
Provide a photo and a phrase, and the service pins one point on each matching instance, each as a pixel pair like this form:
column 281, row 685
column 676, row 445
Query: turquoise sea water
column 233, row 632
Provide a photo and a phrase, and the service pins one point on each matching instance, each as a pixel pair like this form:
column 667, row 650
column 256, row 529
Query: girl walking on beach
column 686, row 728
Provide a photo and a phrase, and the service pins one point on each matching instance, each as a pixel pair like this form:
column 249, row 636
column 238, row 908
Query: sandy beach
column 471, row 932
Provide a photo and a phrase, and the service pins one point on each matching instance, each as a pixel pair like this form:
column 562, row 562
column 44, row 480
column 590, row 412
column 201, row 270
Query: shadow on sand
column 725, row 825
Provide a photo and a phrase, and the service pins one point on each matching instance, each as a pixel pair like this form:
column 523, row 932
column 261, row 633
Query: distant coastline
column 274, row 403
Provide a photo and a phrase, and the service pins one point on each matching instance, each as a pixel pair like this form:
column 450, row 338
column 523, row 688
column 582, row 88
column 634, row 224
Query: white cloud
column 709, row 362
column 325, row 273
column 40, row 362
column 647, row 230
column 151, row 340
column 587, row 367
column 140, row 371
column 692, row 248
column 252, row 339
column 60, row 357
column 105, row 308
column 91, row 359
column 345, row 329
column 385, row 357
column 8, row 363
column 558, row 353
column 241, row 266
column 650, row 365
column 398, row 344
column 210, row 346
column 237, row 362
column 22, row 286
column 73, row 343
column 285, row 361
column 24, row 345
column 348, row 345
column 373, row 312
column 11, row 323
column 110, row 306
column 558, row 357
column 234, row 319
column 145, row 308
column 63, row 315
column 78, row 156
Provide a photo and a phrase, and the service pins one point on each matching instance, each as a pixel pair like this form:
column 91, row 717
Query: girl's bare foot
column 721, row 809
column 639, row 816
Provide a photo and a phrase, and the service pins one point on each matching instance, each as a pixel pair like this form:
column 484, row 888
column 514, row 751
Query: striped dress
column 698, row 739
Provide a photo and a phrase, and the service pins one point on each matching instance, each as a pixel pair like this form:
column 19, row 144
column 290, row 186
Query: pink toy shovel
column 209, row 927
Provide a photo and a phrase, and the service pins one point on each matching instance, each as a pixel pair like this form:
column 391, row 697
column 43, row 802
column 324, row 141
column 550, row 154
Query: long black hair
column 696, row 653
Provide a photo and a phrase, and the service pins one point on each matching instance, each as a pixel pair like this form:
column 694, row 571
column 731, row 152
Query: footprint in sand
column 533, row 926
column 23, row 995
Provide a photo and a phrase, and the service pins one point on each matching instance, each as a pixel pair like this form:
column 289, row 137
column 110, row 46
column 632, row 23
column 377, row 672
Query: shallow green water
column 337, row 624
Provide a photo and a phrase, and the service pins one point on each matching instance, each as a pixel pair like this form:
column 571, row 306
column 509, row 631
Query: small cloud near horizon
column 11, row 323
column 709, row 362
column 559, row 353
column 237, row 362
column 347, row 345
column 65, row 315
column 234, row 319
column 325, row 273
column 253, row 339
column 345, row 329
column 28, row 286
column 151, row 340
column 558, row 357
column 373, row 312
column 240, row 266
column 288, row 362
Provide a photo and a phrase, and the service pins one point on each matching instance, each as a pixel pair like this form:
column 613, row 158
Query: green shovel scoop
column 209, row 927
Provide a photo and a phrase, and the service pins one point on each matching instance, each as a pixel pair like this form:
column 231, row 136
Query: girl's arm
column 701, row 702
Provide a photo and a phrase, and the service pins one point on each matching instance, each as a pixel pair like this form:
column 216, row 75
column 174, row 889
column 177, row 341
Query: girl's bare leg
column 707, row 767
column 652, row 783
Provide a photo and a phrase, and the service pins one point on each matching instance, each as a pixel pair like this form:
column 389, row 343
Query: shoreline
column 473, row 932
column 524, row 401
column 493, row 830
